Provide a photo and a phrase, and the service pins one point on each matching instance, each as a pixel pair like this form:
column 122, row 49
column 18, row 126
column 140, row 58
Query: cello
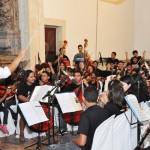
column 74, row 118
column 42, row 127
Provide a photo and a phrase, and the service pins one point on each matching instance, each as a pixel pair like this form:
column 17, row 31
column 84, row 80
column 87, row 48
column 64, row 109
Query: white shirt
column 4, row 72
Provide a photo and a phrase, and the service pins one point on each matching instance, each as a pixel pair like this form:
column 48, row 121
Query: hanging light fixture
column 113, row 1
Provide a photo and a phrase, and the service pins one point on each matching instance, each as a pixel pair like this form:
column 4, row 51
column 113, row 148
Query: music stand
column 33, row 114
column 51, row 101
column 139, row 114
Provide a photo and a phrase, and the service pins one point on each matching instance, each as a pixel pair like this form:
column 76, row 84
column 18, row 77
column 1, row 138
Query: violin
column 3, row 90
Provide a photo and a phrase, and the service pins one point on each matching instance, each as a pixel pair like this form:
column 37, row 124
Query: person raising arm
column 6, row 71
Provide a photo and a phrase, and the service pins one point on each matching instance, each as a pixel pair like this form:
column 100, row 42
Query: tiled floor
column 13, row 143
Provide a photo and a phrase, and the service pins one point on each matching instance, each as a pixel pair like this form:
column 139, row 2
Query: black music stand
column 39, row 143
column 51, row 101
column 139, row 124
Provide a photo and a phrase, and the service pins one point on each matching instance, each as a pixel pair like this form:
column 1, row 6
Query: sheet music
column 68, row 102
column 134, row 105
column 40, row 91
column 33, row 112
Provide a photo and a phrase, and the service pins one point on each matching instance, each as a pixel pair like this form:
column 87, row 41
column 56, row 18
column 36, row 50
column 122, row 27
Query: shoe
column 4, row 129
column 22, row 140
column 62, row 132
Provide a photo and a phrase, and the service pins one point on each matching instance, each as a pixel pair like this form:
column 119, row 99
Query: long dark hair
column 116, row 92
column 26, row 75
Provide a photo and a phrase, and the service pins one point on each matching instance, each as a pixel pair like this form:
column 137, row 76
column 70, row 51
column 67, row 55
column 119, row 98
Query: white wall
column 142, row 27
column 115, row 25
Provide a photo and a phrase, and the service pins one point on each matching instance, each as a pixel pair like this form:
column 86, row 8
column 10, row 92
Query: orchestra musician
column 136, row 59
column 60, row 58
column 45, row 78
column 24, row 91
column 79, row 55
column 90, row 119
column 75, row 86
column 4, row 73
column 112, row 59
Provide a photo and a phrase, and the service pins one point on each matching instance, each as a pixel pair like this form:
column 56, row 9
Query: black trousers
column 5, row 111
column 8, row 104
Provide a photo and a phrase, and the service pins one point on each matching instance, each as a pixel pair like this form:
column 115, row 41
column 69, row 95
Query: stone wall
column 9, row 27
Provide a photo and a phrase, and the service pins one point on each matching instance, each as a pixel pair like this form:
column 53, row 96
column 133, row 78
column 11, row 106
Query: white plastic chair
column 121, row 133
column 27, row 132
column 103, row 135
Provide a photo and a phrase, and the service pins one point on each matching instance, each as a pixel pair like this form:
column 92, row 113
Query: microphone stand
column 51, row 100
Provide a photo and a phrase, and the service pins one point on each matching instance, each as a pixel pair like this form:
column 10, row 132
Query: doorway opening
column 50, row 43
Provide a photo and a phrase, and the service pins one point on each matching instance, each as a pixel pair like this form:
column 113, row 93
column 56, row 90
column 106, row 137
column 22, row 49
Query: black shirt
column 113, row 61
column 25, row 90
column 138, row 61
column 89, row 121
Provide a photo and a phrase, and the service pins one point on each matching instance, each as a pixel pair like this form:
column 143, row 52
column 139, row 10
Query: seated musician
column 62, row 67
column 51, row 71
column 96, row 69
column 81, row 67
column 3, row 109
column 45, row 78
column 112, row 59
column 93, row 81
column 75, row 86
column 90, row 119
column 25, row 90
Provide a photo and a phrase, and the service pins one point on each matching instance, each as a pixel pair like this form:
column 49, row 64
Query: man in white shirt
column 6, row 71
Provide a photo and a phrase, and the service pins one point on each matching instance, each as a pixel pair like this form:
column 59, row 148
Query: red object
column 74, row 118
column 66, row 62
column 43, row 126
column 2, row 90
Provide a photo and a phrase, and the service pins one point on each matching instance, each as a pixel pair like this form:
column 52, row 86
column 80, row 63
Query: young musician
column 81, row 67
column 77, row 81
column 90, row 119
column 60, row 58
column 45, row 78
column 25, row 90
column 80, row 54
column 113, row 59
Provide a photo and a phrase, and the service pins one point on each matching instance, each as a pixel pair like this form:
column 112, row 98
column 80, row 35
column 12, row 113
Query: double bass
column 63, row 49
column 88, row 60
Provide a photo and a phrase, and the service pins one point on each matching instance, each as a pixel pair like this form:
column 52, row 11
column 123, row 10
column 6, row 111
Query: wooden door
column 50, row 44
